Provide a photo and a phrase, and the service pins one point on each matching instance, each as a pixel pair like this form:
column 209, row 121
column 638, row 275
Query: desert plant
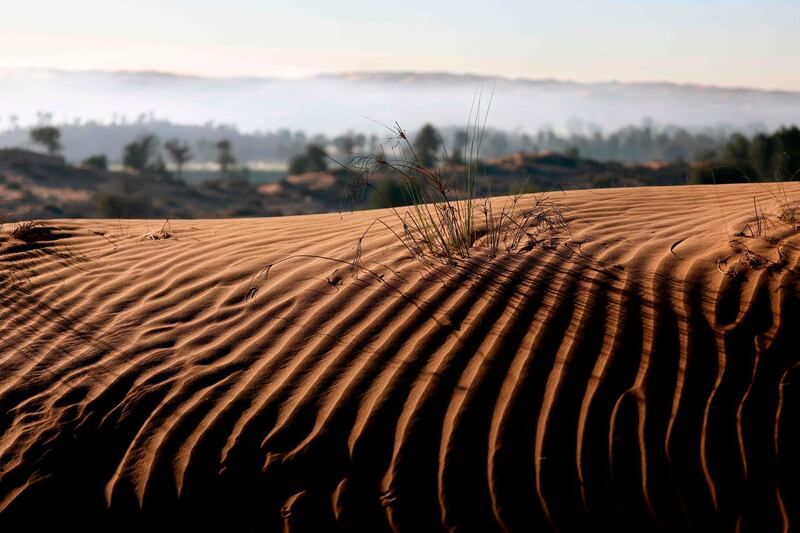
column 761, row 224
column 442, row 220
column 164, row 233
column 30, row 231
column 786, row 204
column 49, row 137
column 518, row 229
column 744, row 259
column 786, row 207
column 440, row 223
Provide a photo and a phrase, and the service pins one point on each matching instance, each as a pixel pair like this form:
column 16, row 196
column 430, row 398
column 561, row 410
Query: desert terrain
column 636, row 371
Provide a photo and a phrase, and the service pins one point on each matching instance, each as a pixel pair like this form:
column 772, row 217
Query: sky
column 733, row 43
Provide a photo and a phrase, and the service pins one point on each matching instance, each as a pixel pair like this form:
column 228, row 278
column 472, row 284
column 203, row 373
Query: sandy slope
column 619, row 378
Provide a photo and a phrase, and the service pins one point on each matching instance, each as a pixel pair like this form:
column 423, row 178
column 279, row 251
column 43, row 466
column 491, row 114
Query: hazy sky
column 729, row 43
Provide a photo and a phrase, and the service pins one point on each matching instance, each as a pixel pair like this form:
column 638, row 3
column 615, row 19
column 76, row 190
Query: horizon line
column 443, row 73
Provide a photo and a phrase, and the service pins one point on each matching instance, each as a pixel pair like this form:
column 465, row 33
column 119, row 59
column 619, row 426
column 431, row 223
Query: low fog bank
column 330, row 104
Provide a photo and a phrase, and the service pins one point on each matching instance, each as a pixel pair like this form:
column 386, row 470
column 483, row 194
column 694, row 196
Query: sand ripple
column 619, row 380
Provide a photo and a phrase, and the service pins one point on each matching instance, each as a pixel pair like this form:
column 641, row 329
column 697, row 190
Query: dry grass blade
column 761, row 224
column 103, row 235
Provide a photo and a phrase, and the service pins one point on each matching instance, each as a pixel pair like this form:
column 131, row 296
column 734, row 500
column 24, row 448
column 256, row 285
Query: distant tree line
column 761, row 156
column 765, row 156
column 634, row 144
column 144, row 154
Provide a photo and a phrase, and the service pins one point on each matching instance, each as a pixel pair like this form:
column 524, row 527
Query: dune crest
column 638, row 372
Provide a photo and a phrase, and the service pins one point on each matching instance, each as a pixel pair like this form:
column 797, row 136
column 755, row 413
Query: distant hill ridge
column 451, row 77
column 391, row 76
column 332, row 103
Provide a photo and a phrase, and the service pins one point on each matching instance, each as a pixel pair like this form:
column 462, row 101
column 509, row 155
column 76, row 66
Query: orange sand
column 618, row 380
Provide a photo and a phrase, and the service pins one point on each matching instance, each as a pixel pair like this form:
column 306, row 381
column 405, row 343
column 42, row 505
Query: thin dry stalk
column 760, row 226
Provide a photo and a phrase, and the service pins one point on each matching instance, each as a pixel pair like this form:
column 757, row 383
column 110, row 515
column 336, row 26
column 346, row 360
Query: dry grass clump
column 766, row 225
column 761, row 226
column 31, row 231
column 518, row 229
column 23, row 231
column 787, row 205
column 440, row 221
column 164, row 233
column 745, row 259
column 445, row 220
column 789, row 213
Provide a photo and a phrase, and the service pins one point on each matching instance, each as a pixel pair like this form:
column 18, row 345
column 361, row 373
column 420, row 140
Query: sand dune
column 639, row 373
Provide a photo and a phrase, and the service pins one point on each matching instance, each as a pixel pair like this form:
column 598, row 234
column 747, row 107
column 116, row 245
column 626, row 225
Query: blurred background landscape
column 201, row 120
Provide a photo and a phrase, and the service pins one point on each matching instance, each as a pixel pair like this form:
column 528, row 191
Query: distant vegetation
column 427, row 144
column 314, row 159
column 96, row 161
column 138, row 154
column 225, row 158
column 47, row 136
column 121, row 200
column 180, row 153
column 763, row 157
column 708, row 157
column 633, row 144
